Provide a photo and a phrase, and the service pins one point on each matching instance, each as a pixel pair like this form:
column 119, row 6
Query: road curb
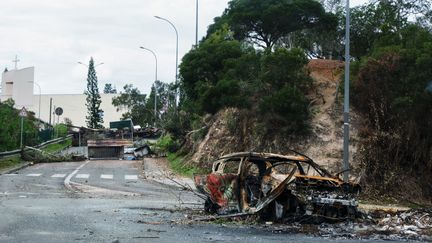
column 15, row 169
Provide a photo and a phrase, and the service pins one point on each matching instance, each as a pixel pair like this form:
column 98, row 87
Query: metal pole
column 346, row 95
column 22, row 128
column 50, row 111
column 156, row 78
column 40, row 93
column 196, row 25
column 176, row 75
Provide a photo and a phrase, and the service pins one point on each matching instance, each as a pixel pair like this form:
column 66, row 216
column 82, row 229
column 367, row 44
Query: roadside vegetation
column 10, row 128
column 57, row 147
column 10, row 162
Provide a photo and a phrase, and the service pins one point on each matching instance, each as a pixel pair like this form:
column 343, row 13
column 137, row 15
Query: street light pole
column 346, row 95
column 176, row 53
column 156, row 78
column 196, row 24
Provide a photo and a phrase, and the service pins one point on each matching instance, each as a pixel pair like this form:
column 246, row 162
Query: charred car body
column 280, row 186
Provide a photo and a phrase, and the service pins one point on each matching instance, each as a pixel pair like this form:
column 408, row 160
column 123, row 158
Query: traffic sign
column 23, row 112
column 58, row 111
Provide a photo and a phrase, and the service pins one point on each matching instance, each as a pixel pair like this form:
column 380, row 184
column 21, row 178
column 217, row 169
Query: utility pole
column 346, row 117
column 50, row 112
column 196, row 24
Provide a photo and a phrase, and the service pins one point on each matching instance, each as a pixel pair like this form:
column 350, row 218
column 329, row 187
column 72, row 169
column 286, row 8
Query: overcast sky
column 53, row 35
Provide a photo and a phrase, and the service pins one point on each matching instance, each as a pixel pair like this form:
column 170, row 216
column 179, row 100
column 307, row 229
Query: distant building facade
column 19, row 86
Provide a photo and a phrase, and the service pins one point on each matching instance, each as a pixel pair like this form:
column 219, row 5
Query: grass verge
column 10, row 162
column 57, row 147
column 177, row 164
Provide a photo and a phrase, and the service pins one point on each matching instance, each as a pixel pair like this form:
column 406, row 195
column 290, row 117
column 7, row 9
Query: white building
column 19, row 85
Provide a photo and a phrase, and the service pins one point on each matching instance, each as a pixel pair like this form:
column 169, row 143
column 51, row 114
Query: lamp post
column 40, row 93
column 346, row 95
column 156, row 70
column 196, row 24
column 176, row 52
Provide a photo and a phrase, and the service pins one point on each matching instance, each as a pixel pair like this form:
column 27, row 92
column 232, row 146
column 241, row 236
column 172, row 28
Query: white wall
column 18, row 85
column 74, row 107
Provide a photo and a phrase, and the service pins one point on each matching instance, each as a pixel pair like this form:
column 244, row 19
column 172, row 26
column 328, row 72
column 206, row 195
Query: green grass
column 57, row 147
column 177, row 164
column 10, row 162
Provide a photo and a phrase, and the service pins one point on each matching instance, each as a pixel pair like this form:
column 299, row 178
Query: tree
column 10, row 127
column 203, row 67
column 264, row 23
column 110, row 89
column 134, row 103
column 94, row 118
column 380, row 22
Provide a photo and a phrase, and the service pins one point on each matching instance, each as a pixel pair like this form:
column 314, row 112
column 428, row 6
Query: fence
column 18, row 151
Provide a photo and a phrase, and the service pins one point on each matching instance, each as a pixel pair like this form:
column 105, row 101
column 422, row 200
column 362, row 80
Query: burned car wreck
column 276, row 186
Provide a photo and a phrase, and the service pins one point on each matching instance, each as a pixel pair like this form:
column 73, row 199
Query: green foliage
column 286, row 111
column 109, row 89
column 177, row 163
column 283, row 67
column 57, row 147
column 10, row 127
column 205, row 65
column 167, row 144
column 94, row 118
column 60, row 130
column 140, row 109
column 10, row 162
column 264, row 23
column 222, row 72
column 133, row 102
column 380, row 23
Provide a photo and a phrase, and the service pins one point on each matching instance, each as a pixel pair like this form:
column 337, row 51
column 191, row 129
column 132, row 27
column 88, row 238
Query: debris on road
column 40, row 156
column 276, row 187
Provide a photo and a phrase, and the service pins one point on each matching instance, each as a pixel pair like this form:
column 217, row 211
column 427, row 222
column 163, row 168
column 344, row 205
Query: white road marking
column 58, row 175
column 34, row 175
column 67, row 181
column 106, row 177
column 131, row 177
column 82, row 176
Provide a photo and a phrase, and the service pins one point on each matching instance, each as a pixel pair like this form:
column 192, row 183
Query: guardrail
column 18, row 151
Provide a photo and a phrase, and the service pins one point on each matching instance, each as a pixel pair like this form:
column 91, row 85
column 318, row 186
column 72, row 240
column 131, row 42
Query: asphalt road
column 110, row 201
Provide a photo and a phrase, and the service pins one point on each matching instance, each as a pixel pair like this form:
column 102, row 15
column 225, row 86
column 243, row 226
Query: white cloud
column 53, row 35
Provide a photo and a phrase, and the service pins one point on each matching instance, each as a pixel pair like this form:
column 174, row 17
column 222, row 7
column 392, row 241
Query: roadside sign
column 58, row 111
column 23, row 112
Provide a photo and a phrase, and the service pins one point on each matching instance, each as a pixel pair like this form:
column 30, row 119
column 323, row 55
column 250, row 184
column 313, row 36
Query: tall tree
column 94, row 118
